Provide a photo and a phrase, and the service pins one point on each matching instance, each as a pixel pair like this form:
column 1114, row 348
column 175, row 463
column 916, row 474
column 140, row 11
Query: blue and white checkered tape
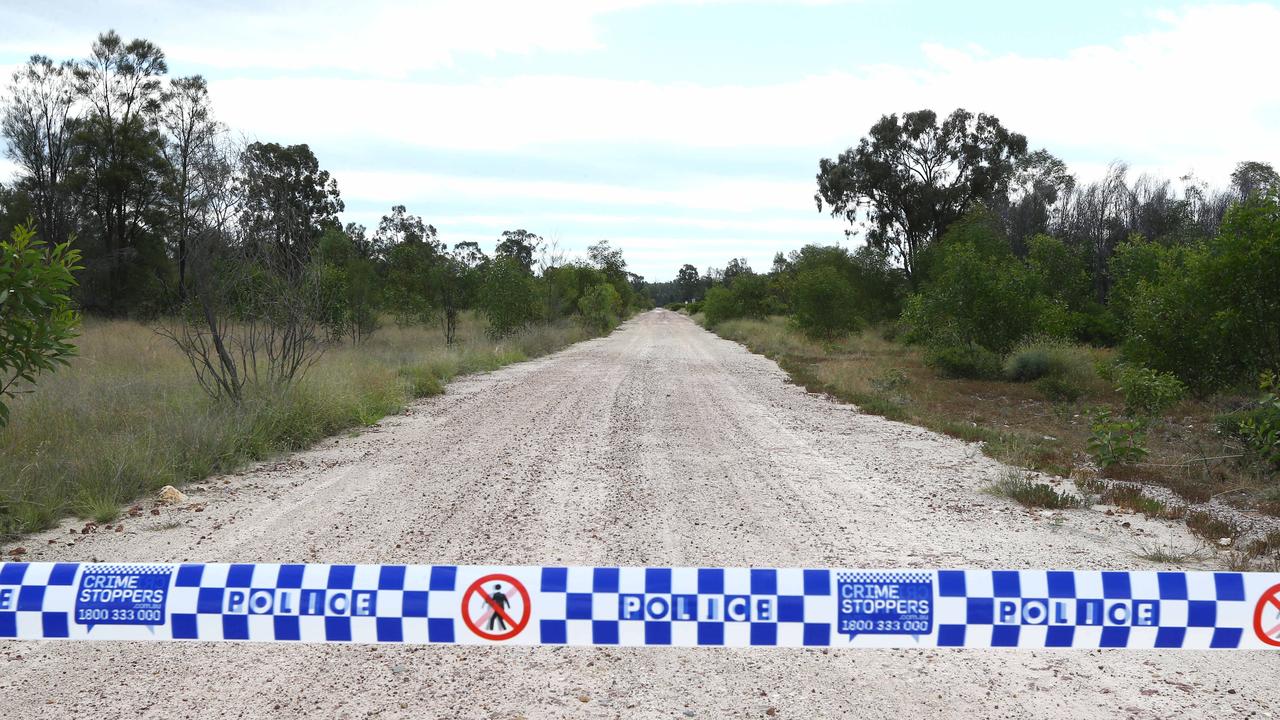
column 635, row 606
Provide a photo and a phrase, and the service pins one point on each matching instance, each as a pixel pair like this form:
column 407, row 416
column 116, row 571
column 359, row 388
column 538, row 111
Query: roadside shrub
column 1260, row 428
column 1148, row 393
column 824, row 302
column 979, row 294
column 600, row 306
column 1062, row 371
column 1210, row 312
column 958, row 361
column 693, row 307
column 509, row 297
column 1027, row 364
column 1113, row 441
column 717, row 306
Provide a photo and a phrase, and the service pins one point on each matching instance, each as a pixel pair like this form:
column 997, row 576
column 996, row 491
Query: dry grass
column 1014, row 421
column 127, row 416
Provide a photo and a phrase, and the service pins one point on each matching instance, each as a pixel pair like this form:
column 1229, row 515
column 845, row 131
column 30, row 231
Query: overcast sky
column 685, row 131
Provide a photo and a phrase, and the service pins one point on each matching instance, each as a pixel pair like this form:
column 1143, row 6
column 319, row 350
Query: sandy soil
column 661, row 444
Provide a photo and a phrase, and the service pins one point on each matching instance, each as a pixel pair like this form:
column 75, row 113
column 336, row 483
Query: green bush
column 37, row 320
column 1260, row 429
column 1209, row 313
column 1031, row 363
column 747, row 296
column 958, row 361
column 600, row 307
column 718, row 305
column 1061, row 371
column 1148, row 393
column 824, row 303
column 509, row 297
column 978, row 294
column 1112, row 442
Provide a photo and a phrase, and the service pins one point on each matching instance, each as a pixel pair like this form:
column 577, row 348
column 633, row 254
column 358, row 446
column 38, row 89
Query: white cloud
column 390, row 38
column 701, row 193
column 1190, row 94
column 1194, row 93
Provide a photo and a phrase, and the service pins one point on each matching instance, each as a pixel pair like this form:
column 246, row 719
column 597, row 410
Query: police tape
column 635, row 606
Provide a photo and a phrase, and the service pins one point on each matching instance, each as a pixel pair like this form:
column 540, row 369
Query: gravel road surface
column 660, row 444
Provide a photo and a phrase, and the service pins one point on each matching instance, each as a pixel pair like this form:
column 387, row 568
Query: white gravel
column 660, row 444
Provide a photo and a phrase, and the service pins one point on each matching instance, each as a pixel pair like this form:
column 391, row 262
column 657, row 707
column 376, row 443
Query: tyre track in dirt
column 660, row 444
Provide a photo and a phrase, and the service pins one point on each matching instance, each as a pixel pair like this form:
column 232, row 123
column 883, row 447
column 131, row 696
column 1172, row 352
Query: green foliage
column 509, row 297
column 908, row 207
column 1260, row 429
column 349, row 288
column 746, row 297
column 1113, row 441
column 1211, row 313
column 718, row 305
column 411, row 291
column 422, row 381
column 1028, row 363
column 1147, row 392
column 600, row 307
column 1061, row 371
column 824, row 302
column 37, row 321
column 980, row 295
column 287, row 200
column 963, row 361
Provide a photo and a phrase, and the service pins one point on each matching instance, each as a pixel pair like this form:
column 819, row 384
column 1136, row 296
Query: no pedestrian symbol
column 496, row 607
column 1266, row 617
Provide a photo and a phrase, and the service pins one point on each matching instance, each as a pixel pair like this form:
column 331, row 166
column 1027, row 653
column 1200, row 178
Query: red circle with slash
column 1269, row 599
column 513, row 627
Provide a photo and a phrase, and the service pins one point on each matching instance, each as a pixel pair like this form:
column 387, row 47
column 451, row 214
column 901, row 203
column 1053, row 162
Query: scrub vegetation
column 205, row 305
column 1123, row 328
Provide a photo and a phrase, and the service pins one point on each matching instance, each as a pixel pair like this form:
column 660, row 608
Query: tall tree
column 519, row 245
column 117, row 168
column 689, row 283
column 191, row 136
column 38, row 125
column 1039, row 183
column 1253, row 178
column 403, row 228
column 911, row 177
column 288, row 201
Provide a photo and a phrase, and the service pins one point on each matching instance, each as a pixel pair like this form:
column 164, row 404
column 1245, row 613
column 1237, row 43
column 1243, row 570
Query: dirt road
column 661, row 444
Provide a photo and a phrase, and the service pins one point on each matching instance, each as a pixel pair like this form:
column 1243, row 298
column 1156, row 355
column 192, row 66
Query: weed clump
column 1025, row 490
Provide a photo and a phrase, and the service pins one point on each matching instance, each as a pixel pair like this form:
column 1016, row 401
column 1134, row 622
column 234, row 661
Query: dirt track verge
column 660, row 444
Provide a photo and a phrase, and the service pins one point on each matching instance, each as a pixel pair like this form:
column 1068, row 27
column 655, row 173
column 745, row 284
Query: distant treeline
column 134, row 166
column 236, row 247
column 972, row 244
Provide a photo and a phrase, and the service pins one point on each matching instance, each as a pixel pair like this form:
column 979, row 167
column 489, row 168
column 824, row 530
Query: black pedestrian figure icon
column 498, row 601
